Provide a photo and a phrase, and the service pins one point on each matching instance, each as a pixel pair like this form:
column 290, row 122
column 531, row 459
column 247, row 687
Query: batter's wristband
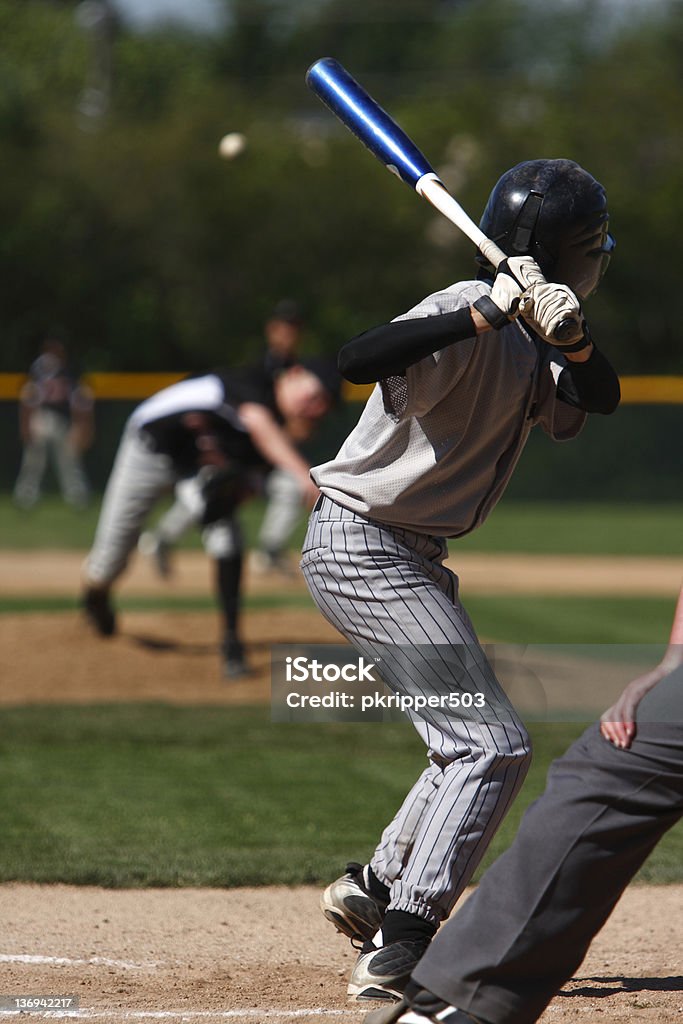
column 579, row 345
column 492, row 313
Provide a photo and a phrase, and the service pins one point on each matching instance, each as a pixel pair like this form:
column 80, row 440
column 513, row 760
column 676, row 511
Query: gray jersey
column 434, row 450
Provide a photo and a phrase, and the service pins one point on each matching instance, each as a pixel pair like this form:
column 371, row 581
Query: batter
column 461, row 383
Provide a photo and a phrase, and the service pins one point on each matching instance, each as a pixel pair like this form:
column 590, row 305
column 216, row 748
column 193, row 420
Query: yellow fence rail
column 136, row 386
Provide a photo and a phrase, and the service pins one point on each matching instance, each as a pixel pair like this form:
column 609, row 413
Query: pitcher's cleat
column 96, row 605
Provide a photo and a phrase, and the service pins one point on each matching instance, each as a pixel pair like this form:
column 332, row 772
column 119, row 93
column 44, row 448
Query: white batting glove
column 513, row 276
column 189, row 492
column 554, row 312
column 523, row 269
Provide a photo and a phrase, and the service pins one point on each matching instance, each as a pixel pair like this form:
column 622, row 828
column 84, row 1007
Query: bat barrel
column 348, row 101
column 362, row 115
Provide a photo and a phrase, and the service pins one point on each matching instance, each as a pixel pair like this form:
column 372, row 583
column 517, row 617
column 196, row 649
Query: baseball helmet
column 556, row 212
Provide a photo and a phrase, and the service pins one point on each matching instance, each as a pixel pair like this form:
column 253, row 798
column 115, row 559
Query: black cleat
column 98, row 611
column 384, row 973
column 235, row 665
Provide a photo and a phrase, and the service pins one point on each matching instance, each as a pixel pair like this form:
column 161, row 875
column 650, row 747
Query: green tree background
column 152, row 253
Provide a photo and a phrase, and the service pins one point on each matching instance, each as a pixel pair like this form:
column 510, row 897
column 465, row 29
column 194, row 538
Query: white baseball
column 231, row 145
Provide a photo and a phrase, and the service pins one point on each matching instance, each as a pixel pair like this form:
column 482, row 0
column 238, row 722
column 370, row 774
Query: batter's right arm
column 389, row 350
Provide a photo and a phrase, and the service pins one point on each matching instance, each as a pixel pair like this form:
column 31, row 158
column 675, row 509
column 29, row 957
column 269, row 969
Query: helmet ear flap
column 522, row 234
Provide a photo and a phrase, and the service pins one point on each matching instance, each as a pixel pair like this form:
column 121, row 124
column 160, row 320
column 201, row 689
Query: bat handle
column 431, row 188
column 566, row 328
column 492, row 252
column 435, row 192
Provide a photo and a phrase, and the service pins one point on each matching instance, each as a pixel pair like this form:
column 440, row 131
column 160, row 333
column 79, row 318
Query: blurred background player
column 56, row 424
column 214, row 432
column 283, row 332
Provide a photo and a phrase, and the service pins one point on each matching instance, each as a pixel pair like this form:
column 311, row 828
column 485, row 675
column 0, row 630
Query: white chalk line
column 266, row 1013
column 120, row 1014
column 65, row 961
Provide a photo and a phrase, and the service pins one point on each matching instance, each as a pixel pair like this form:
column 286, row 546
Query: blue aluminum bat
column 362, row 115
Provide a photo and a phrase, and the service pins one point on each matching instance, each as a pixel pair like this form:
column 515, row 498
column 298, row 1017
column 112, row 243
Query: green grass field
column 156, row 795
column 524, row 619
column 626, row 529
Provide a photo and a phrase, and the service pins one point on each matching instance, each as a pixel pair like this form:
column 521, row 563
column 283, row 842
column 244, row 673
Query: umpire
column 221, row 430
column 608, row 802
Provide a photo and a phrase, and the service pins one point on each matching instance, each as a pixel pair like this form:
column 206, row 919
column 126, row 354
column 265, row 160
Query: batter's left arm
column 589, row 382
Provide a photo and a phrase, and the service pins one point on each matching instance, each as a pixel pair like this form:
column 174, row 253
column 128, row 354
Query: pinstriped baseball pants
column 388, row 593
column 138, row 478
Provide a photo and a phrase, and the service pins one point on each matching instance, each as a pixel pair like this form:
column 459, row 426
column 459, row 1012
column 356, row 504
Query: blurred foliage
column 151, row 252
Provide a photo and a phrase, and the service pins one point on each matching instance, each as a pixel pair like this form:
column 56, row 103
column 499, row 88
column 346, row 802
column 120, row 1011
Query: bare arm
column 618, row 723
column 272, row 443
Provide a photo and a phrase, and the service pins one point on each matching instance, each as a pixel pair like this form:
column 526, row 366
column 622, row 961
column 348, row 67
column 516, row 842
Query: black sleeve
column 592, row 386
column 388, row 351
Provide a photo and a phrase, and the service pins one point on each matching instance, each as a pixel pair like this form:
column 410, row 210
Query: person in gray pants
column 523, row 933
column 56, row 421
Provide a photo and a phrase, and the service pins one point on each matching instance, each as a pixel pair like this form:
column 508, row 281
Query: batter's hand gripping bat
column 349, row 101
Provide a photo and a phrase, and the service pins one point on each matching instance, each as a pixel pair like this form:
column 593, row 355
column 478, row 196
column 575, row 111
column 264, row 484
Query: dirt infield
column 58, row 572
column 268, row 954
column 173, row 656
column 263, row 954
column 167, row 656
